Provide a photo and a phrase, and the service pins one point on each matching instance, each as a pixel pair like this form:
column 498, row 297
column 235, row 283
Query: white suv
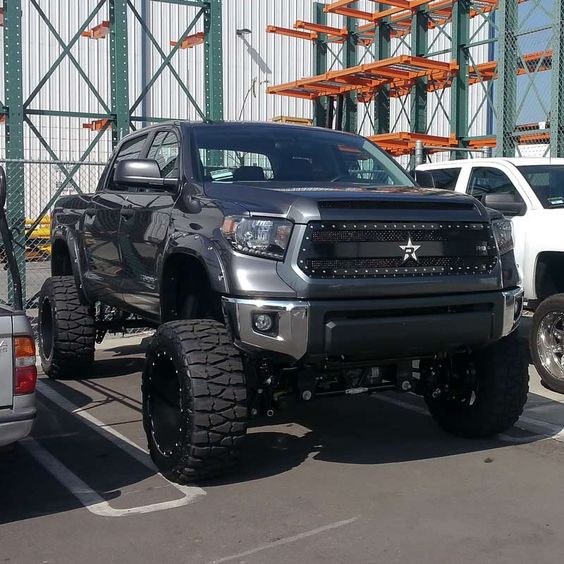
column 531, row 192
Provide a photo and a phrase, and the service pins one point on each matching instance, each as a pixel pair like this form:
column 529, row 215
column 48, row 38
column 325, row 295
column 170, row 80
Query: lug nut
column 307, row 395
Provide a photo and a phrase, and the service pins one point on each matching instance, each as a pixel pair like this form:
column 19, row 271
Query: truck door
column 101, row 227
column 492, row 180
column 144, row 228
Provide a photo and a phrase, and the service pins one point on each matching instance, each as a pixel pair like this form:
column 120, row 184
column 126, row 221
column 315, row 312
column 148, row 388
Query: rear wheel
column 547, row 342
column 66, row 329
column 194, row 400
column 496, row 397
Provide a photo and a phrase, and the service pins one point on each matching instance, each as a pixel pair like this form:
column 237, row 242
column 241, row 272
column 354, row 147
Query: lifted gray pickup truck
column 18, row 373
column 278, row 263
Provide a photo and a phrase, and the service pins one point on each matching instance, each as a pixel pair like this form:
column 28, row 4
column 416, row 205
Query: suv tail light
column 26, row 372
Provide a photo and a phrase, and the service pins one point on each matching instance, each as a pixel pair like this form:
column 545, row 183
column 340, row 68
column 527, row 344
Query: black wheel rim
column 46, row 331
column 164, row 403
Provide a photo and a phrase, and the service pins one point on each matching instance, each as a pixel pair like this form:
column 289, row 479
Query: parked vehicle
column 531, row 193
column 282, row 262
column 18, row 374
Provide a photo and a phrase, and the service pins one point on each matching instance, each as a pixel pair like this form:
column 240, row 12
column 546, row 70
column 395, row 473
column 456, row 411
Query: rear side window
column 129, row 150
column 445, row 178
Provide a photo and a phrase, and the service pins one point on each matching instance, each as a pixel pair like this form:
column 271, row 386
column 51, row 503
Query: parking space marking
column 190, row 493
column 286, row 540
column 540, row 429
column 87, row 496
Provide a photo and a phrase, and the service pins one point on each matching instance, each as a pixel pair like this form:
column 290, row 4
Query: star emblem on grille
column 410, row 251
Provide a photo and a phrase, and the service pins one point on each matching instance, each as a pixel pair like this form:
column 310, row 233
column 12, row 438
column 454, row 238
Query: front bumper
column 375, row 329
column 15, row 424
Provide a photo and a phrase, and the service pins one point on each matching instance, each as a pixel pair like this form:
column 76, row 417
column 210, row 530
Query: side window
column 445, row 178
column 485, row 180
column 129, row 150
column 165, row 149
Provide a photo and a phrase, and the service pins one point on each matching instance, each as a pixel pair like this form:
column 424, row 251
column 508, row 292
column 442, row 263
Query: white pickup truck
column 531, row 192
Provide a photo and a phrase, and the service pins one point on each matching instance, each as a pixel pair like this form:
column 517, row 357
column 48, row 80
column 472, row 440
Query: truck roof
column 515, row 161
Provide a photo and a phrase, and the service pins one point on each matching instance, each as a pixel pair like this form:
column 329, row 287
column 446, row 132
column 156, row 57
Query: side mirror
column 3, row 188
column 507, row 204
column 142, row 172
column 424, row 179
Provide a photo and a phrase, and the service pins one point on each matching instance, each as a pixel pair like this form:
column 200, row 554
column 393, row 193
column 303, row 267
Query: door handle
column 127, row 213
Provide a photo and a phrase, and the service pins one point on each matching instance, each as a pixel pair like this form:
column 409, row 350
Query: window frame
column 106, row 185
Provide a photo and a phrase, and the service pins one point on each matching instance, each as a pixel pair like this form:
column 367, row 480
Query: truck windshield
column 547, row 181
column 268, row 155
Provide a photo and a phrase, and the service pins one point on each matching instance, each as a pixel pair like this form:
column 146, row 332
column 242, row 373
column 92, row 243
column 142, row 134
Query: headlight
column 263, row 237
column 503, row 233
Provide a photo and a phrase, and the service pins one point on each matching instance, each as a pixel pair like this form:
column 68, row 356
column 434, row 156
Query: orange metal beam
column 309, row 36
column 96, row 125
column 100, row 31
column 318, row 28
column 190, row 41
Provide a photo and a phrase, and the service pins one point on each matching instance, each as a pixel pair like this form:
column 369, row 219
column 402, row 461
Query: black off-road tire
column 66, row 329
column 503, row 383
column 552, row 375
column 194, row 400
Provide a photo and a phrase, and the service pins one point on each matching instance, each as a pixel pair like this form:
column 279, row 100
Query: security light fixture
column 242, row 32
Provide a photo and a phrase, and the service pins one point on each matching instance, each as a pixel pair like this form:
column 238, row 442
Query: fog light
column 263, row 322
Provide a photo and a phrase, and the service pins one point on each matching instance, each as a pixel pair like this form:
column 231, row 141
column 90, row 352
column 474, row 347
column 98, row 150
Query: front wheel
column 547, row 342
column 194, row 400
column 495, row 400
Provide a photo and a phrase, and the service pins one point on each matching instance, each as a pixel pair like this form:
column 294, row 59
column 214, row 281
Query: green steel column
column 119, row 69
column 506, row 101
column 557, row 98
column 15, row 130
column 459, row 90
column 320, row 65
column 213, row 48
column 382, row 50
column 350, row 60
column 419, row 26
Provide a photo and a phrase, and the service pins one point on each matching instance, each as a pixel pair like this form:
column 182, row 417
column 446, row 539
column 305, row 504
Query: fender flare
column 69, row 239
column 205, row 251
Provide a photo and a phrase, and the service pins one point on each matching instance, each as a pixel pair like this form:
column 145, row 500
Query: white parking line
column 89, row 498
column 286, row 540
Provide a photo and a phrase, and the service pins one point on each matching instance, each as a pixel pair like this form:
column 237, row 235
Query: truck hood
column 305, row 202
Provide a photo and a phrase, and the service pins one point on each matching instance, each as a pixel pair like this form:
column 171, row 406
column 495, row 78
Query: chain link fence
column 33, row 189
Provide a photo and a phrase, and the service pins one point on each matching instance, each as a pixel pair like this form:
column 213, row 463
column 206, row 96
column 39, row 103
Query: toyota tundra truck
column 281, row 263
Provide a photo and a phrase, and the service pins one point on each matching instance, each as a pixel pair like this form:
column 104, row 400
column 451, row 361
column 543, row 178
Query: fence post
column 15, row 133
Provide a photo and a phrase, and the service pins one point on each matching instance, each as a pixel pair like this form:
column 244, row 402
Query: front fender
column 202, row 249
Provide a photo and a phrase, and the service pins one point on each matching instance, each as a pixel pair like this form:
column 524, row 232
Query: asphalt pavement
column 363, row 479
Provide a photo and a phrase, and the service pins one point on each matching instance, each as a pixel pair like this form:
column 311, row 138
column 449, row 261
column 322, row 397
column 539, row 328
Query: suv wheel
column 194, row 400
column 66, row 329
column 498, row 397
column 547, row 342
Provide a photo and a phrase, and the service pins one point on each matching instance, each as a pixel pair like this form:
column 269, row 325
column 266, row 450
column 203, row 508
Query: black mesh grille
column 374, row 250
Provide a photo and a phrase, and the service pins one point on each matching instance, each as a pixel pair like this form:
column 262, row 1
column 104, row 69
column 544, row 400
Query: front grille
column 381, row 250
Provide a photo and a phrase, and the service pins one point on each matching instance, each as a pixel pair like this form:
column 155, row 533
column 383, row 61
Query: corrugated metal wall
column 251, row 63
